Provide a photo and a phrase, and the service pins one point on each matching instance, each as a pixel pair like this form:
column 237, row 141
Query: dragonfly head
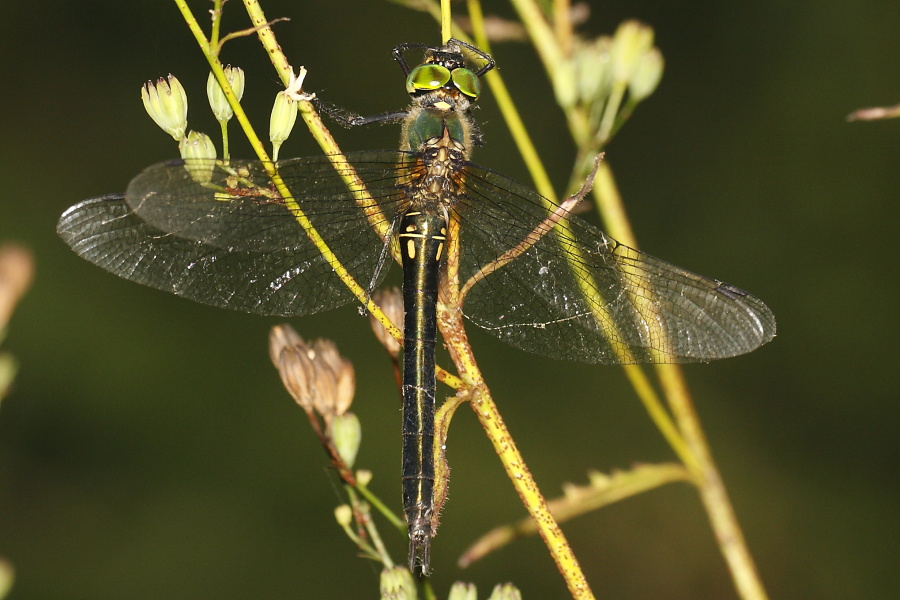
column 445, row 71
column 452, row 81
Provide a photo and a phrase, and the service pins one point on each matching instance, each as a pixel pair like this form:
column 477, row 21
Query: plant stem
column 712, row 490
column 691, row 445
column 513, row 463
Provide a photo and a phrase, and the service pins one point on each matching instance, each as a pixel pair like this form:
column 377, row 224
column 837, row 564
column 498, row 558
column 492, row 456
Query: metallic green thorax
column 439, row 132
column 425, row 124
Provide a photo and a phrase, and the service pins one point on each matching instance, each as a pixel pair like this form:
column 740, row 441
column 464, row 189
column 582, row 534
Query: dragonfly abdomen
column 422, row 238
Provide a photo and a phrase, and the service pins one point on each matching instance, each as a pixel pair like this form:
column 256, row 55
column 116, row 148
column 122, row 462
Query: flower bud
column 631, row 41
column 343, row 514
column 564, row 83
column 463, row 591
column 593, row 67
column 363, row 477
column 646, row 76
column 166, row 103
column 284, row 115
column 346, row 433
column 397, row 584
column 505, row 591
column 199, row 154
column 217, row 100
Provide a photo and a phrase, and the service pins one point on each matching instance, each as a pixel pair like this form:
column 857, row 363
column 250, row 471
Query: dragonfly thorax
column 427, row 123
column 436, row 178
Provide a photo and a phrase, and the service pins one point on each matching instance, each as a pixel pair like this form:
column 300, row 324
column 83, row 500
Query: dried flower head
column 315, row 374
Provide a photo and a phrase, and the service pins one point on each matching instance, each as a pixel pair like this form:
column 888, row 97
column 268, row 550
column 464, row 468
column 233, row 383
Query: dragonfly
column 537, row 277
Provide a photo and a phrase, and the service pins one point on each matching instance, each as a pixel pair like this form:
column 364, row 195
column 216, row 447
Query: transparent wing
column 577, row 294
column 233, row 242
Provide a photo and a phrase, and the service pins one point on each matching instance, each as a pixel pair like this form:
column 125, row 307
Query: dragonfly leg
column 349, row 119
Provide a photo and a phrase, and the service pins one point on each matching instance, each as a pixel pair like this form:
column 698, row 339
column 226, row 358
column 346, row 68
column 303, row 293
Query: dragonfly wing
column 237, row 205
column 577, row 294
column 243, row 252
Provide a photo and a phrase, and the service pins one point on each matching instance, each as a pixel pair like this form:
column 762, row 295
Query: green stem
column 225, row 152
column 715, row 499
column 509, row 111
column 216, row 66
column 381, row 507
column 446, row 21
column 216, row 22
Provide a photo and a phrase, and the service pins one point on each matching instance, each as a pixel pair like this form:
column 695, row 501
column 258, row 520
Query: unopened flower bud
column 397, row 584
column 565, row 89
column 284, row 115
column 593, row 66
column 199, row 154
column 646, row 75
column 217, row 100
column 346, row 433
column 505, row 591
column 463, row 591
column 343, row 514
column 363, row 477
column 630, row 42
column 166, row 103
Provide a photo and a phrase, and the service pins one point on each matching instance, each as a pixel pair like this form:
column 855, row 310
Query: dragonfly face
column 529, row 273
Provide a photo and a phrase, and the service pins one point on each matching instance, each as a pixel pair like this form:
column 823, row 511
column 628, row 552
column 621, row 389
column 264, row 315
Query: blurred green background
column 148, row 451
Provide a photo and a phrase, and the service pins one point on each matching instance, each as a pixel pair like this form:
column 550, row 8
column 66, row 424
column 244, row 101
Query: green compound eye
column 427, row 77
column 466, row 82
